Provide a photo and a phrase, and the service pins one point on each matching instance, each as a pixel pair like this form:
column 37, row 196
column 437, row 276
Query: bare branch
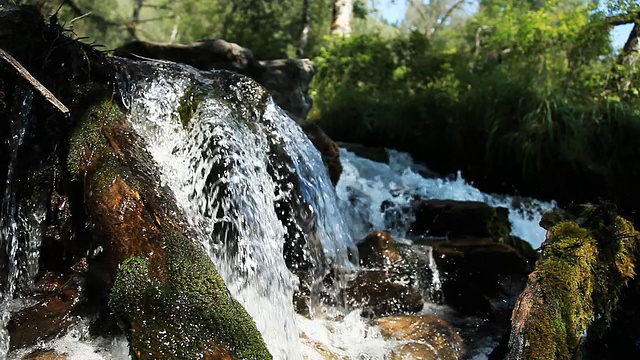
column 79, row 12
column 622, row 19
column 450, row 11
column 34, row 82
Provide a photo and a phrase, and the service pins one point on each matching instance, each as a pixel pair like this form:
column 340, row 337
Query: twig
column 34, row 82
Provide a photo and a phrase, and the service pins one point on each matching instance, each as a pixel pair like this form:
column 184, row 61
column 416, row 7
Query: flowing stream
column 231, row 158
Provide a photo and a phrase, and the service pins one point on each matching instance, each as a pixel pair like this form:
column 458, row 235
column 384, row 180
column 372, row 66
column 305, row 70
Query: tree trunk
column 135, row 19
column 630, row 54
column 342, row 14
column 629, row 57
column 306, row 25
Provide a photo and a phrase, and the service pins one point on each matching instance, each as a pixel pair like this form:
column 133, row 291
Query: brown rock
column 377, row 250
column 414, row 351
column 320, row 349
column 437, row 333
column 382, row 292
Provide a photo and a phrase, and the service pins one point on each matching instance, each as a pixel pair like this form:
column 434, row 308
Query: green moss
column 187, row 315
column 87, row 141
column 188, row 104
column 582, row 271
column 566, row 273
column 499, row 225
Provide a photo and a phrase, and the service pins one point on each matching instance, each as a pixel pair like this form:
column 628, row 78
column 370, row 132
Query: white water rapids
column 223, row 137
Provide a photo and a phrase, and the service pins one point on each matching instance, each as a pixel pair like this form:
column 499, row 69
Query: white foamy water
column 78, row 344
column 366, row 185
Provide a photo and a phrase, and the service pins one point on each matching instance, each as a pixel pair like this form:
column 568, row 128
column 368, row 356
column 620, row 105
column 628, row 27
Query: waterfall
column 226, row 157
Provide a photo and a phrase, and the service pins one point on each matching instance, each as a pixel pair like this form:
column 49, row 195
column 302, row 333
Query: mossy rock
column 575, row 286
column 187, row 315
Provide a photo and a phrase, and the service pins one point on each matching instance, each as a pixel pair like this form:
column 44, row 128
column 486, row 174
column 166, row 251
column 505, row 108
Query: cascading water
column 366, row 187
column 222, row 167
column 9, row 218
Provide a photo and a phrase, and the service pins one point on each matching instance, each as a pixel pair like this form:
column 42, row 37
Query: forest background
column 520, row 95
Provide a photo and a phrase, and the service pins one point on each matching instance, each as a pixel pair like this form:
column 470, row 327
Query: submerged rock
column 56, row 311
column 587, row 262
column 45, row 355
column 430, row 337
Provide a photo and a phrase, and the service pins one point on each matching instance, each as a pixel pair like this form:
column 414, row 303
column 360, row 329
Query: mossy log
column 586, row 262
column 167, row 293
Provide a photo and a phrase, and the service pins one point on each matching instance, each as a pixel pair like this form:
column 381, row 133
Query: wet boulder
column 149, row 261
column 478, row 273
column 482, row 266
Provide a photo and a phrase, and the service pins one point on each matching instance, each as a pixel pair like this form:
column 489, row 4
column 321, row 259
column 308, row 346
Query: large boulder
column 482, row 265
column 479, row 274
column 121, row 242
column 148, row 257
